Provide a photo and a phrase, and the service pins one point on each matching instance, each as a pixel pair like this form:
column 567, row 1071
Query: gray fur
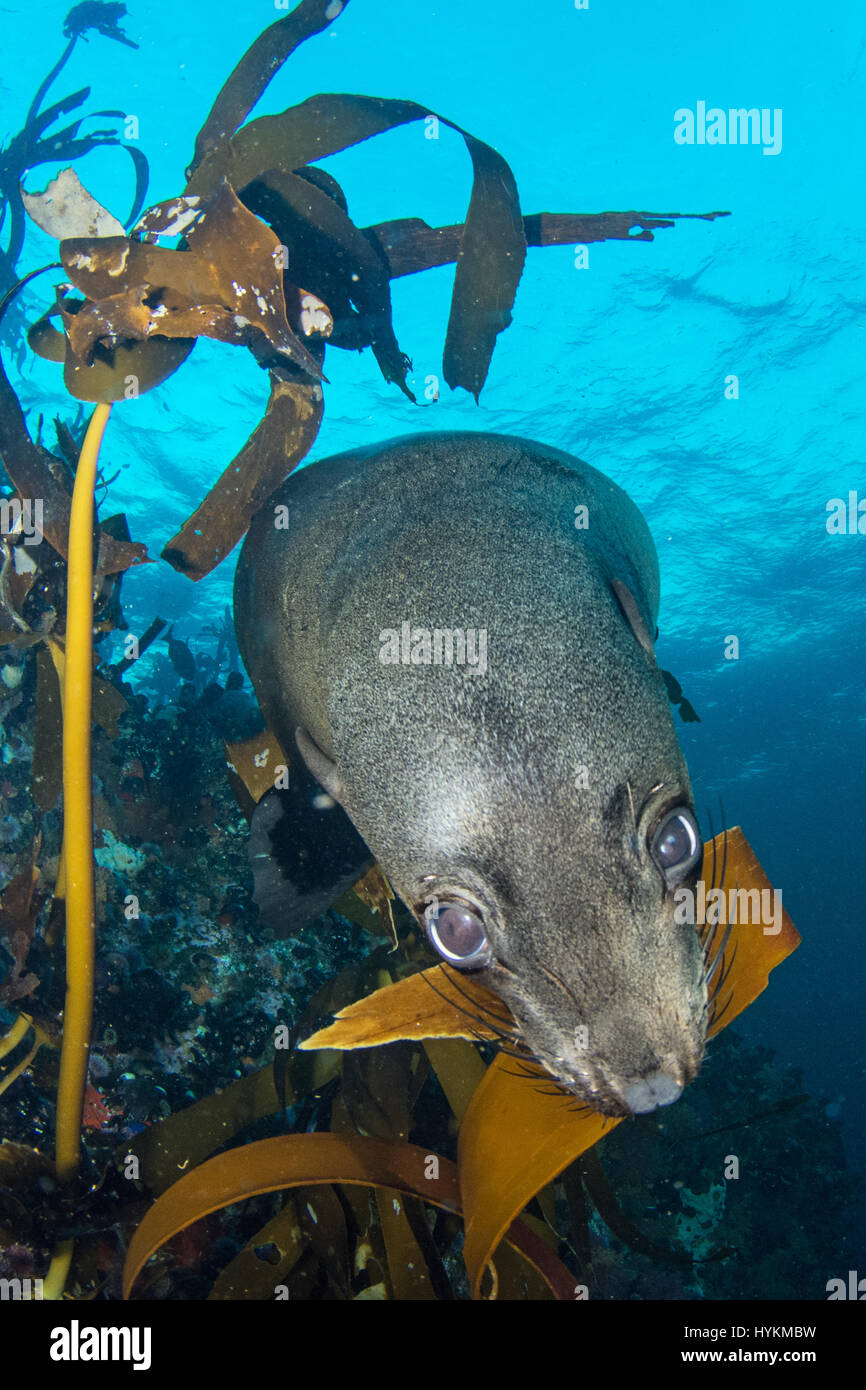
column 469, row 784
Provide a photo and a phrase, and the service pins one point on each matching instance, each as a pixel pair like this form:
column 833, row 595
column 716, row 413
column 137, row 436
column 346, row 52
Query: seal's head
column 518, row 778
column 538, row 818
column 607, row 989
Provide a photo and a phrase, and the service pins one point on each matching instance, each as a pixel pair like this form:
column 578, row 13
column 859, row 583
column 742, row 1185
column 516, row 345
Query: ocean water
column 626, row 362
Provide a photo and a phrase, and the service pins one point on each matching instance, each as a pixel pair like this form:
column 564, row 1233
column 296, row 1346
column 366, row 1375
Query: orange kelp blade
column 755, row 947
column 515, row 1139
column 290, row 1160
column 436, row 1003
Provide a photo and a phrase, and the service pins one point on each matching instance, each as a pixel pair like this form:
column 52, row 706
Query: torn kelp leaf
column 492, row 246
column 168, row 219
column 252, row 766
column 276, row 446
column 262, row 60
column 64, row 208
column 46, row 340
column 124, row 371
column 410, row 245
column 226, row 285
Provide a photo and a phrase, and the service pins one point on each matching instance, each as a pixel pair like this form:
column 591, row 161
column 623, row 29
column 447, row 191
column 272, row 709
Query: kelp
column 226, row 281
column 492, row 246
column 107, row 706
column 270, row 1165
column 348, row 270
column 519, row 1131
column 188, row 1137
column 435, row 1003
column 375, row 892
column 145, row 304
column 409, row 244
column 37, row 144
column 31, row 1035
column 260, row 63
column 65, row 209
column 252, row 766
column 282, row 439
column 36, row 473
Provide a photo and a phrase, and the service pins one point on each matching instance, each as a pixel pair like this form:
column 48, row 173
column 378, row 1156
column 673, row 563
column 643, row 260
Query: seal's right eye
column 458, row 934
column 676, row 845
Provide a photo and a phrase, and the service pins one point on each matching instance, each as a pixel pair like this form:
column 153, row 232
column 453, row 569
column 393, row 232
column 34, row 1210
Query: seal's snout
column 662, row 1088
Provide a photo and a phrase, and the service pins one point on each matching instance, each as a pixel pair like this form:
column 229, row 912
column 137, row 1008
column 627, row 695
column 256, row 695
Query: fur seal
column 456, row 630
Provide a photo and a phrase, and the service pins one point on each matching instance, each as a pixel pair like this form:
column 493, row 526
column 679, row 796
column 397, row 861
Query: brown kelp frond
column 36, row 144
column 492, row 246
column 227, row 284
column 270, row 259
column 35, row 473
column 271, row 1165
column 257, row 67
column 282, row 438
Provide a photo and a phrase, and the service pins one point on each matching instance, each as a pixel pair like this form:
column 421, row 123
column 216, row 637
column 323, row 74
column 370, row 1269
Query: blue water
column 622, row 363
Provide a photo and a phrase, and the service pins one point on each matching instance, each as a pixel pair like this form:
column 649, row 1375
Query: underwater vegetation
column 36, row 143
column 410, row 1149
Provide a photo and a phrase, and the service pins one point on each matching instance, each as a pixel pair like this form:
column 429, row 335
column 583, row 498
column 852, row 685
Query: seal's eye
column 676, row 844
column 458, row 934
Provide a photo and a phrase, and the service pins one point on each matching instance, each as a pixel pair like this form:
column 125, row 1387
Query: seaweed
column 265, row 256
column 37, row 144
column 269, row 259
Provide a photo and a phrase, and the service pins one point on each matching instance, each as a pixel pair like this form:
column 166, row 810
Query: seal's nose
column 659, row 1089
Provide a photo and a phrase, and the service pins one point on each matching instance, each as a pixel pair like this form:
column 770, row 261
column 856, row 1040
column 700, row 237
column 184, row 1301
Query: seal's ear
column 324, row 771
column 634, row 617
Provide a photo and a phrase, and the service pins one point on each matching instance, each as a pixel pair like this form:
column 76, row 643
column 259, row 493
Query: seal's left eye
column 676, row 844
column 458, row 934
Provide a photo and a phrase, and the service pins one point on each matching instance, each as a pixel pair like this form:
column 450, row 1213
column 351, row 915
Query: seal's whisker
column 726, row 970
column 718, row 1014
column 503, row 1035
column 718, row 958
column 631, row 806
column 724, row 856
column 500, row 1022
column 523, row 1073
column 551, row 975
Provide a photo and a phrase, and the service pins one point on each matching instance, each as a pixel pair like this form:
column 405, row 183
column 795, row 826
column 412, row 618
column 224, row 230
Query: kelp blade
column 758, row 951
column 515, row 1139
column 430, row 1004
column 269, row 1165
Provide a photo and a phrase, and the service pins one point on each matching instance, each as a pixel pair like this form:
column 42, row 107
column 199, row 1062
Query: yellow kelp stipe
column 77, row 824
